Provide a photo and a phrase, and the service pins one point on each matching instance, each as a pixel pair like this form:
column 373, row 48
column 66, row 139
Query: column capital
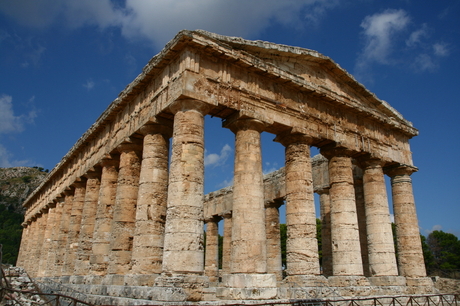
column 238, row 124
column 94, row 172
column 163, row 127
column 190, row 104
column 399, row 170
column 130, row 144
column 370, row 162
column 335, row 150
column 110, row 160
column 79, row 182
column 290, row 137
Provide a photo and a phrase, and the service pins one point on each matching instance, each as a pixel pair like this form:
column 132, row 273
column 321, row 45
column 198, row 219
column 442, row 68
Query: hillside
column 15, row 185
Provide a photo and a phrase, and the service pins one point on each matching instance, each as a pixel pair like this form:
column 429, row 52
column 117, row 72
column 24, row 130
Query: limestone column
column 46, row 246
column 183, row 245
column 410, row 254
column 326, row 246
column 148, row 240
column 124, row 211
column 302, row 245
column 53, row 251
column 93, row 183
column 361, row 213
column 38, row 252
column 74, row 226
column 382, row 260
column 249, row 247
column 211, row 264
column 100, row 248
column 227, row 243
column 62, row 246
column 272, row 227
column 346, row 250
column 24, row 247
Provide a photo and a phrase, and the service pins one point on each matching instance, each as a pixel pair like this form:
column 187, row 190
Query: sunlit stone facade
column 113, row 213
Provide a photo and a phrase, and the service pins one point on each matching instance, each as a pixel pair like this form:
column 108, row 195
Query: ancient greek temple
column 124, row 213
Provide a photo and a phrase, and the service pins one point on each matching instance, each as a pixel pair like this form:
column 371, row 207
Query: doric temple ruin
column 124, row 213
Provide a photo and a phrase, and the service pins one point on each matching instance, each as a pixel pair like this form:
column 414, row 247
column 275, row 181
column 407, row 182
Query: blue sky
column 63, row 62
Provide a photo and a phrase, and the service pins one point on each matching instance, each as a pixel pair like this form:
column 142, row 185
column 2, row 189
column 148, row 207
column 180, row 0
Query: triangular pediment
column 308, row 68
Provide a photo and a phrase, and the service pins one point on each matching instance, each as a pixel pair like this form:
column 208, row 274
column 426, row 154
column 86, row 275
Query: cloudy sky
column 63, row 62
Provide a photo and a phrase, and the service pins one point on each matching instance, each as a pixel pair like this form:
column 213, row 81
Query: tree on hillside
column 445, row 250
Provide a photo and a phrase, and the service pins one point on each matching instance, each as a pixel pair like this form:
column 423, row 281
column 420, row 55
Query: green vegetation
column 442, row 253
column 10, row 233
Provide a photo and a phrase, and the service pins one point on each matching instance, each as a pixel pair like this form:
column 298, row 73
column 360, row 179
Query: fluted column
column 74, row 226
column 38, row 262
column 62, row 246
column 382, row 260
column 124, row 212
column 53, row 251
column 34, row 253
column 249, row 252
column 227, row 243
column 302, row 245
column 25, row 244
column 183, row 244
column 326, row 245
column 151, row 202
column 93, row 183
column 100, row 249
column 361, row 213
column 211, row 264
column 410, row 254
column 346, row 250
column 49, row 226
column 272, row 227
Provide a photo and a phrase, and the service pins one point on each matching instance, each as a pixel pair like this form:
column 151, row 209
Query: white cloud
column 441, row 49
column 160, row 20
column 416, row 37
column 9, row 123
column 270, row 167
column 215, row 160
column 5, row 157
column 89, row 84
column 424, row 62
column 379, row 32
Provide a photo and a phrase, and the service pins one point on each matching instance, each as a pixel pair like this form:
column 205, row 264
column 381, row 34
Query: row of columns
column 130, row 215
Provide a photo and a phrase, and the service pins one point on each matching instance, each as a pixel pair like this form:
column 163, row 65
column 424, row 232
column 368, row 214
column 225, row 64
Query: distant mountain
column 15, row 185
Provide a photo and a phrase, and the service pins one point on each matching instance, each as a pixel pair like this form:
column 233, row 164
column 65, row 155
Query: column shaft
column 82, row 265
column 99, row 259
column 124, row 212
column 272, row 227
column 63, row 234
column 212, row 250
column 227, row 244
column 382, row 260
column 74, row 228
column 183, row 244
column 410, row 254
column 54, row 249
column 302, row 246
column 249, row 247
column 346, row 250
column 326, row 244
column 361, row 214
column 46, row 246
column 152, row 200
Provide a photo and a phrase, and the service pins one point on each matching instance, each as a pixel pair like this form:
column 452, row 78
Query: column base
column 141, row 279
column 420, row 285
column 113, row 280
column 248, row 287
column 188, row 286
column 348, row 281
column 306, row 280
column 387, row 280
